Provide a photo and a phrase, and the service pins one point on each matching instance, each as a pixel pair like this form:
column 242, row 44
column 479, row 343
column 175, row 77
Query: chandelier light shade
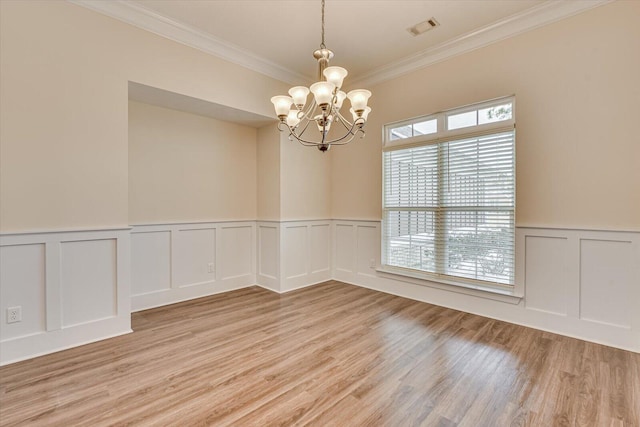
column 296, row 113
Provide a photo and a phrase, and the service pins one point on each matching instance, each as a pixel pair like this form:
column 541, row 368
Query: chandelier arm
column 280, row 128
column 352, row 132
column 343, row 119
column 305, row 142
column 351, row 138
column 300, row 139
column 341, row 141
column 304, row 129
column 345, row 123
column 308, row 144
column 307, row 114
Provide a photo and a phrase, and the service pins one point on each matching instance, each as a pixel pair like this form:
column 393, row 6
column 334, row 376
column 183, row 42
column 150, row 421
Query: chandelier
column 324, row 109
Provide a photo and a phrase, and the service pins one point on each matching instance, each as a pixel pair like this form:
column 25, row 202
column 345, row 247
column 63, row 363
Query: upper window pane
column 496, row 113
column 425, row 128
column 400, row 132
column 485, row 116
column 462, row 120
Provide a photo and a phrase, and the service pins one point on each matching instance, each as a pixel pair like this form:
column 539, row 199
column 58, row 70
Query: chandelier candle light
column 324, row 109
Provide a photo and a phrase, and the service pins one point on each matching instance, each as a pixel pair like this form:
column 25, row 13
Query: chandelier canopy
column 324, row 109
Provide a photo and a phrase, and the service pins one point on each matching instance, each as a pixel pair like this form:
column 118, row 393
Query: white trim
column 20, row 356
column 62, row 231
column 587, row 229
column 296, row 288
column 156, row 23
column 146, row 19
column 443, row 133
column 189, row 223
column 460, row 286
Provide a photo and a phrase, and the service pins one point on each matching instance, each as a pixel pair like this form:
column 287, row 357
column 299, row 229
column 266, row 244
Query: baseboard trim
column 64, row 347
column 500, row 318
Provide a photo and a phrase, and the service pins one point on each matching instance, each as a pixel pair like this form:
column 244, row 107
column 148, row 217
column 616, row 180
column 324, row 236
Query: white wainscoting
column 580, row 283
column 268, row 274
column 78, row 287
column 72, row 287
column 294, row 254
column 177, row 262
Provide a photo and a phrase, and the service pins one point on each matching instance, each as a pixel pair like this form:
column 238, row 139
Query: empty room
column 319, row 213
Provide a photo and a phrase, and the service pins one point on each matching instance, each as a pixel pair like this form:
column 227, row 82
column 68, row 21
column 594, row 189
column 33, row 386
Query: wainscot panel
column 178, row 262
column 269, row 255
column 294, row 254
column 72, row 288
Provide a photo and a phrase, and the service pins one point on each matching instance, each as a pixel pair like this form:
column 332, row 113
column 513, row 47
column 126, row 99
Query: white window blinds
column 449, row 206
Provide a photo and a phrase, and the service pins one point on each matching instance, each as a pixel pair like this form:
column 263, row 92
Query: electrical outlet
column 372, row 263
column 212, row 267
column 14, row 314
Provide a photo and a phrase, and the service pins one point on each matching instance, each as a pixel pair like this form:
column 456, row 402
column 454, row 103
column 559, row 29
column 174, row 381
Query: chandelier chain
column 322, row 43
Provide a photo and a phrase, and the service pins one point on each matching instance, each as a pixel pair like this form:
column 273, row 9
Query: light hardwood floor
column 329, row 355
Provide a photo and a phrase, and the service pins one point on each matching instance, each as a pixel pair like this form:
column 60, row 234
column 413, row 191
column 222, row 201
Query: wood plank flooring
column 329, row 355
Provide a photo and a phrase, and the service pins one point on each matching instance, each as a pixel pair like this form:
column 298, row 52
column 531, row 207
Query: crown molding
column 141, row 17
column 161, row 25
column 510, row 26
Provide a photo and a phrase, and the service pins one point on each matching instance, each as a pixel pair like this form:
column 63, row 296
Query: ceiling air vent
column 423, row 27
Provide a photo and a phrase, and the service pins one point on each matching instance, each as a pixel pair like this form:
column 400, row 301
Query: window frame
column 443, row 134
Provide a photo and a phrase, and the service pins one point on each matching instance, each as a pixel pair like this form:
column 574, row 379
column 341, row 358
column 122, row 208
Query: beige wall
column 63, row 129
column 268, row 173
column 305, row 181
column 577, row 99
column 294, row 182
column 185, row 167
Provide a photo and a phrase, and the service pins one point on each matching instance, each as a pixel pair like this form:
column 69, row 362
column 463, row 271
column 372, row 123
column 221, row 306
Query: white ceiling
column 368, row 37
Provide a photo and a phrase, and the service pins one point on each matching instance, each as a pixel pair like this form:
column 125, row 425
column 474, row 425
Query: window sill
column 425, row 279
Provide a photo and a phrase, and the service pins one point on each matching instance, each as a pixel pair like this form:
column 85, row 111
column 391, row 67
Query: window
column 449, row 194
